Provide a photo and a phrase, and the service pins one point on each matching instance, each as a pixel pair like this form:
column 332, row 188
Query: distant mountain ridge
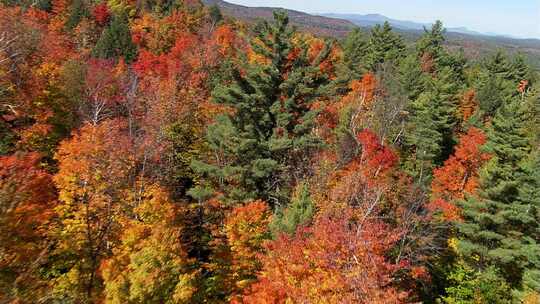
column 370, row 20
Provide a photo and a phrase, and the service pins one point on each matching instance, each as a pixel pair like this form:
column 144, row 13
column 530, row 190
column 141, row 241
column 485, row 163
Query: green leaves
column 270, row 127
column 115, row 41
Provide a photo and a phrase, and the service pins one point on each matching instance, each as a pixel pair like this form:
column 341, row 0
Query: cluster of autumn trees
column 159, row 152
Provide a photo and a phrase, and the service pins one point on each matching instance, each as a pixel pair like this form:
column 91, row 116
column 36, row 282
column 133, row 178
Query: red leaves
column 101, row 14
column 178, row 60
column 25, row 190
column 459, row 175
column 150, row 64
column 378, row 158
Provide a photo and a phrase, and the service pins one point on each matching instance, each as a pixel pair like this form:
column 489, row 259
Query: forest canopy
column 163, row 152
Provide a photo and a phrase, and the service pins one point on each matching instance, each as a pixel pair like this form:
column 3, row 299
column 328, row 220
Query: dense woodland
column 159, row 152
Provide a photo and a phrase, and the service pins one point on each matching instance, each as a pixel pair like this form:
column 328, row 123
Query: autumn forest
column 160, row 151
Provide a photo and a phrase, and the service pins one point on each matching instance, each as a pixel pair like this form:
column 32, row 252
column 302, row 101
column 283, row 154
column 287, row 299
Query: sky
column 520, row 18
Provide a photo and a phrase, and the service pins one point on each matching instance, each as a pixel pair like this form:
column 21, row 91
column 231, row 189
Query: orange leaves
column 26, row 194
column 362, row 90
column 97, row 157
column 150, row 64
column 180, row 60
column 378, row 158
column 338, row 260
column 359, row 100
column 468, row 104
column 327, row 66
column 225, row 38
column 459, row 175
column 427, row 63
column 365, row 178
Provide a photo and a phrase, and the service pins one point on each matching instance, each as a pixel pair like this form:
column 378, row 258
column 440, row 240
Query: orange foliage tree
column 459, row 175
column 337, row 260
column 27, row 198
column 94, row 170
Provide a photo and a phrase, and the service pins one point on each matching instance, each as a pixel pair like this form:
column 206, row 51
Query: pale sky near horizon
column 519, row 18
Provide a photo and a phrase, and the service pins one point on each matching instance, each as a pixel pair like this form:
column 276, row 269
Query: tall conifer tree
column 501, row 226
column 269, row 134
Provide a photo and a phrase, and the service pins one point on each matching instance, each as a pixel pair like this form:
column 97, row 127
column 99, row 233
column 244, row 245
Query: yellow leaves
column 453, row 244
column 150, row 264
column 184, row 290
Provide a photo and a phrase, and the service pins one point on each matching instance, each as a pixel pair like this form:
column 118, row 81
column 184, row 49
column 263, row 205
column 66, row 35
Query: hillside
column 319, row 25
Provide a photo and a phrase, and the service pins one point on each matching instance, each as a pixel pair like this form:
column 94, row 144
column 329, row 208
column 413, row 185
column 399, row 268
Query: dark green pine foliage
column 299, row 212
column 354, row 56
column 352, row 65
column 431, row 128
column 432, row 41
column 501, row 226
column 115, row 41
column 264, row 145
column 385, row 46
column 433, row 80
column 411, row 76
column 500, row 81
column 529, row 195
column 77, row 12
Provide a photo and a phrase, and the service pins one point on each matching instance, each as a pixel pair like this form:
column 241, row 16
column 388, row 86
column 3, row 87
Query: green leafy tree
column 299, row 212
column 468, row 286
column 432, row 41
column 499, row 81
column 269, row 134
column 354, row 54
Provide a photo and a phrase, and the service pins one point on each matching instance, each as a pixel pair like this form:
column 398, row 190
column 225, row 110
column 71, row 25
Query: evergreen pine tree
column 269, row 134
column 501, row 226
column 432, row 41
column 431, row 128
column 352, row 64
column 384, row 46
column 500, row 82
column 411, row 76
column 354, row 53
column 115, row 41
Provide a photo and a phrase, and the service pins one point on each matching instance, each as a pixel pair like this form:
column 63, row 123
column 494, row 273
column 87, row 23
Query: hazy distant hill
column 370, row 20
column 338, row 25
column 319, row 25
